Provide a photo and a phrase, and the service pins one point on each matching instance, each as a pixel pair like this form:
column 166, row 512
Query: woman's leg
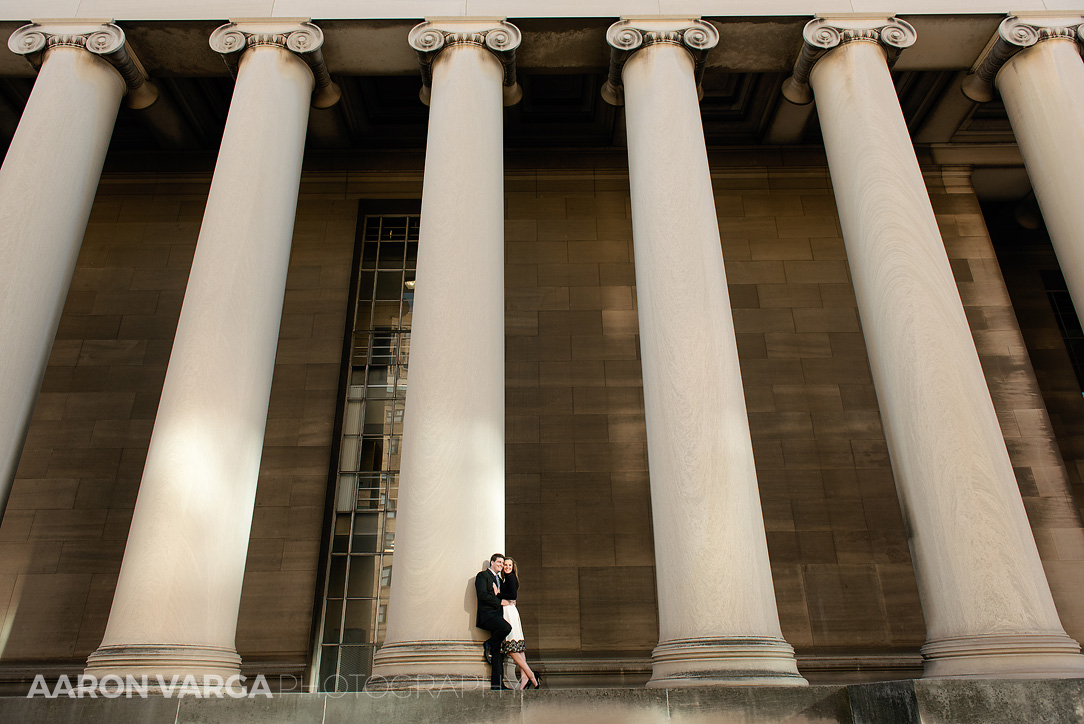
column 521, row 662
column 510, row 658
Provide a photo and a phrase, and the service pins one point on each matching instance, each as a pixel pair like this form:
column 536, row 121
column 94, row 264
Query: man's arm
column 484, row 589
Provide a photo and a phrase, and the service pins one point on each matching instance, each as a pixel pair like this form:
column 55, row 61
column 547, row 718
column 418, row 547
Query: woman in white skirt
column 513, row 644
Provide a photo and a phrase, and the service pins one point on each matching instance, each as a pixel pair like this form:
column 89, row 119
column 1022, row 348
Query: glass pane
column 380, row 376
column 366, row 523
column 366, row 528
column 393, row 227
column 372, row 228
column 352, row 425
column 337, row 578
column 1070, row 323
column 389, row 533
column 359, row 621
column 332, row 622
column 364, row 318
column 391, row 255
column 386, row 314
column 370, row 494
column 372, row 454
column 362, row 577
column 392, row 462
column 368, row 256
column 389, row 285
column 342, row 536
column 384, row 348
column 365, row 285
column 380, row 393
column 379, row 417
column 412, row 255
column 328, row 667
column 347, row 494
column 393, row 495
column 381, row 623
column 360, row 354
column 348, row 457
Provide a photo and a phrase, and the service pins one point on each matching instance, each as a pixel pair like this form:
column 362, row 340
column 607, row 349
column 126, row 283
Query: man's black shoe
column 486, row 653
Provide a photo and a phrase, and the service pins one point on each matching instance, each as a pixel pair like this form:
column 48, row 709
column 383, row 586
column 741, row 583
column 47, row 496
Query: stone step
column 1049, row 701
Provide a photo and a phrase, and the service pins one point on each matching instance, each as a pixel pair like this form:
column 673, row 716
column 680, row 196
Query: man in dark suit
column 487, row 585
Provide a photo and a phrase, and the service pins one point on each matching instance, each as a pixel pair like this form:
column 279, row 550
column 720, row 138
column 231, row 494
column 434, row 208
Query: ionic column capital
column 826, row 33
column 628, row 35
column 1017, row 33
column 102, row 38
column 496, row 35
column 300, row 37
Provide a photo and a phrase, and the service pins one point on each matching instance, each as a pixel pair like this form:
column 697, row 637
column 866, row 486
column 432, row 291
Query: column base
column 737, row 661
column 1003, row 656
column 165, row 660
column 411, row 665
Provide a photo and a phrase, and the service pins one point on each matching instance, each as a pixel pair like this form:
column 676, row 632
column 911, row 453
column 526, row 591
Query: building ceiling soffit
column 380, row 47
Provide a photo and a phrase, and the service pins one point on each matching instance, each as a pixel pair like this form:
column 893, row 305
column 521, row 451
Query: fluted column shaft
column 718, row 622
column 177, row 598
column 1043, row 91
column 985, row 598
column 450, row 513
column 47, row 186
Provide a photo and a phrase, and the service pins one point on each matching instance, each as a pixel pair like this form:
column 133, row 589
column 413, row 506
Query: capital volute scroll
column 495, row 35
column 103, row 38
column 824, row 34
column 300, row 37
column 630, row 35
column 1015, row 34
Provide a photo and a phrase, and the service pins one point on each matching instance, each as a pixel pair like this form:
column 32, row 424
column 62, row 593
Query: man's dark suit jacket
column 489, row 605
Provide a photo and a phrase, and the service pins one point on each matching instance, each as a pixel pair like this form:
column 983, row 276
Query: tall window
column 1068, row 323
column 359, row 563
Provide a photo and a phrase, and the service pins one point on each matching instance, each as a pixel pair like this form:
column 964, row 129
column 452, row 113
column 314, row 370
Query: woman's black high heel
column 536, row 684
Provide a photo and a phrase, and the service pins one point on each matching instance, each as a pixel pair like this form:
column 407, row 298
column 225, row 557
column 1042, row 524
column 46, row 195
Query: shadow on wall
column 470, row 608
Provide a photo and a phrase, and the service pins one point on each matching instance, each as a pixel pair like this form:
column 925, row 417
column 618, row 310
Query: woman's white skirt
column 513, row 642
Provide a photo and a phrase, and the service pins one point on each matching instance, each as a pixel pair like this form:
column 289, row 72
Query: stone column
column 985, row 598
column 47, row 186
column 1035, row 64
column 718, row 622
column 450, row 516
column 175, row 607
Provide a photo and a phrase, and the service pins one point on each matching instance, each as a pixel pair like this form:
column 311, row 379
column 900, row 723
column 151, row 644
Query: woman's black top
column 510, row 587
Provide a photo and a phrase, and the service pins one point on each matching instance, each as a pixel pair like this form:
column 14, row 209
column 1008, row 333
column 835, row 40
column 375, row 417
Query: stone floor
column 898, row 702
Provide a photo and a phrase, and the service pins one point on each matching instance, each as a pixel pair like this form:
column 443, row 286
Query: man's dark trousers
column 499, row 628
column 491, row 618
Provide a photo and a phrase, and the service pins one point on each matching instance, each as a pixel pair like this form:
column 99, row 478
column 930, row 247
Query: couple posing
column 497, row 587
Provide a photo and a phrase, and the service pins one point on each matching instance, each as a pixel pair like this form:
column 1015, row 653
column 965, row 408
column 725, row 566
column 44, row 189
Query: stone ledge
column 1051, row 701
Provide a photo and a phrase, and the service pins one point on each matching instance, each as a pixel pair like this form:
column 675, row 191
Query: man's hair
column 495, row 556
